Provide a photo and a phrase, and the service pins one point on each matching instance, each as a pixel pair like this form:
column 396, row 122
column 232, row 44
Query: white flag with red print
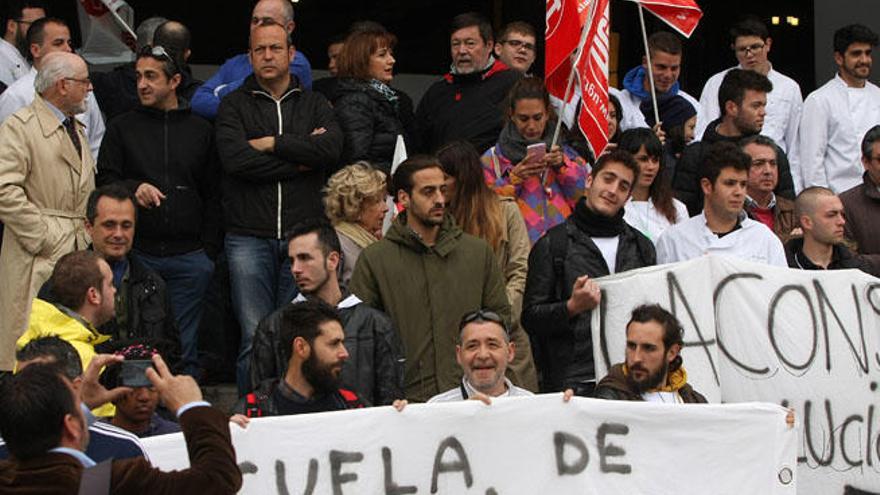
column 681, row 15
column 107, row 36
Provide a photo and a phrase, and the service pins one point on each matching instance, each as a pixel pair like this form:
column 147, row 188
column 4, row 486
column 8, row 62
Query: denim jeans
column 259, row 272
column 187, row 277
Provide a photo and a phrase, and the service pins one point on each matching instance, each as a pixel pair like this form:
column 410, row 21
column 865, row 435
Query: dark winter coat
column 564, row 354
column 267, row 193
column 370, row 123
column 174, row 151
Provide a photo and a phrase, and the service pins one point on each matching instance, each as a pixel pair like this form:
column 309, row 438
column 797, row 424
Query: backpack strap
column 351, row 399
column 252, row 406
column 558, row 236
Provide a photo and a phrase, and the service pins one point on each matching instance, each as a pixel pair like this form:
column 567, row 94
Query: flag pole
column 585, row 31
column 119, row 19
column 650, row 67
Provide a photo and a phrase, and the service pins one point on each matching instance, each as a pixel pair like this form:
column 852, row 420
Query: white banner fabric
column 807, row 339
column 515, row 446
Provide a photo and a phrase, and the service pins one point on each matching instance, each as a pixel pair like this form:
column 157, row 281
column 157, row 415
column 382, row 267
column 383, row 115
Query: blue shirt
column 232, row 73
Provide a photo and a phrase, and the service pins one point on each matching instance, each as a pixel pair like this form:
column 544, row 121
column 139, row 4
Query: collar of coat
column 447, row 237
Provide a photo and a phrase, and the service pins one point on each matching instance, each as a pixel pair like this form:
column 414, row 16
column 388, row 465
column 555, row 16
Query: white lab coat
column 690, row 239
column 835, row 119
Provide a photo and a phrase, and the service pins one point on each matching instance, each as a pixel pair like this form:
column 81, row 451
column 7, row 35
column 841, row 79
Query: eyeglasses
column 160, row 52
column 482, row 315
column 753, row 48
column 517, row 44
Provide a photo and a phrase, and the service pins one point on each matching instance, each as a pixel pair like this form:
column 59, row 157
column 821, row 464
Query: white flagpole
column 119, row 19
column 578, row 53
column 650, row 67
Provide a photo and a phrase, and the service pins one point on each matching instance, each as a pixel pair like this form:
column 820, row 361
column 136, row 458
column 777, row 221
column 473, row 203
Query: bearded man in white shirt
column 838, row 114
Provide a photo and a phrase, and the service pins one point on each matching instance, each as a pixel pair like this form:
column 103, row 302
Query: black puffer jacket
column 374, row 369
column 565, row 356
column 686, row 182
column 148, row 314
column 266, row 193
column 174, row 151
column 370, row 123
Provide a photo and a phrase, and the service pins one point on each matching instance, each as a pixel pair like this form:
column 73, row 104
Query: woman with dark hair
column 678, row 119
column 497, row 220
column 371, row 113
column 546, row 183
column 615, row 115
column 651, row 208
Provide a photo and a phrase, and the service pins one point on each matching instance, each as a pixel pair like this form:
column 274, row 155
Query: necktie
column 70, row 125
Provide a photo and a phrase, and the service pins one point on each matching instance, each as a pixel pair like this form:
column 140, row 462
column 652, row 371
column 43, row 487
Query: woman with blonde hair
column 354, row 201
column 497, row 220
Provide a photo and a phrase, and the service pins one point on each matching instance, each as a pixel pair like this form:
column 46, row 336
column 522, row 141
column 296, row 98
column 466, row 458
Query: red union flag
column 681, row 15
column 592, row 73
column 565, row 18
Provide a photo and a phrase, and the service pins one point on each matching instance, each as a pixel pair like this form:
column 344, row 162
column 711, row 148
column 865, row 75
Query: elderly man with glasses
column 46, row 176
column 165, row 156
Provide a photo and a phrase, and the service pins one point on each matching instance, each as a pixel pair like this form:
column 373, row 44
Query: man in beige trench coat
column 46, row 175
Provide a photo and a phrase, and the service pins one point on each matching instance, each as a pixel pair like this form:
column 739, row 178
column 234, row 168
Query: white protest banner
column 807, row 339
column 524, row 445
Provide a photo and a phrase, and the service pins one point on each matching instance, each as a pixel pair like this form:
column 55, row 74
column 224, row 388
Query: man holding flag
column 566, row 19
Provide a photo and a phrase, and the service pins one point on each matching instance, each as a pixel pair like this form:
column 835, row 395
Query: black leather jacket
column 565, row 347
column 374, row 369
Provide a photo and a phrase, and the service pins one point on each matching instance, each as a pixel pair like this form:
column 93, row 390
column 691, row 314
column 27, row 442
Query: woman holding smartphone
column 546, row 183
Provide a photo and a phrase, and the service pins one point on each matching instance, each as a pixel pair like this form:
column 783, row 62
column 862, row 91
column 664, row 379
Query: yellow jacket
column 46, row 319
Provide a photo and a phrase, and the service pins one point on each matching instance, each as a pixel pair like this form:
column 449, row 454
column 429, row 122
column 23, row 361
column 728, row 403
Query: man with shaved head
column 820, row 213
column 235, row 70
column 46, row 176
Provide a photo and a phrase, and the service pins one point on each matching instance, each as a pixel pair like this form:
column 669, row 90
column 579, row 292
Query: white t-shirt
column 608, row 247
column 644, row 217
column 690, row 239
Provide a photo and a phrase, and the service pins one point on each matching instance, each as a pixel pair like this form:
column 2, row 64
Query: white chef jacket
column 835, row 119
column 12, row 64
column 690, row 239
column 632, row 113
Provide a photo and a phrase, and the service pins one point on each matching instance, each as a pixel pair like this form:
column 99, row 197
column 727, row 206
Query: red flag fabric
column 565, row 18
column 592, row 73
column 681, row 15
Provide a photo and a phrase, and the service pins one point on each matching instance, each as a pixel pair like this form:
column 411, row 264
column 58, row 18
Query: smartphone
column 133, row 373
column 536, row 152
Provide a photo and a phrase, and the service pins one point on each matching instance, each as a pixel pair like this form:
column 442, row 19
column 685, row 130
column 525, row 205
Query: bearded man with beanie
column 560, row 291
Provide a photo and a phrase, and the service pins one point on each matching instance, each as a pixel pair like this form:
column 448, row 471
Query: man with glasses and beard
column 17, row 18
column 313, row 338
column 653, row 370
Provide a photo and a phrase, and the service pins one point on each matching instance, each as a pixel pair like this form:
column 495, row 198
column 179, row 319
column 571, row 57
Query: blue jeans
column 259, row 273
column 187, row 277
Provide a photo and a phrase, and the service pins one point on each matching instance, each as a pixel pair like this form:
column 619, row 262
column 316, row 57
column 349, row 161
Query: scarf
column 513, row 144
column 384, row 90
column 597, row 225
column 634, row 83
column 674, row 379
column 361, row 236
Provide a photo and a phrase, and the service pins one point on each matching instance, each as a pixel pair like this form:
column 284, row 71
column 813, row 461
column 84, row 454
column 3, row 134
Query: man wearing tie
column 46, row 174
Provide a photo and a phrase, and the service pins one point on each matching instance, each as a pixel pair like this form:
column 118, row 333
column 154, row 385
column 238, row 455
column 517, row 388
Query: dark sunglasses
column 483, row 315
column 160, row 52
